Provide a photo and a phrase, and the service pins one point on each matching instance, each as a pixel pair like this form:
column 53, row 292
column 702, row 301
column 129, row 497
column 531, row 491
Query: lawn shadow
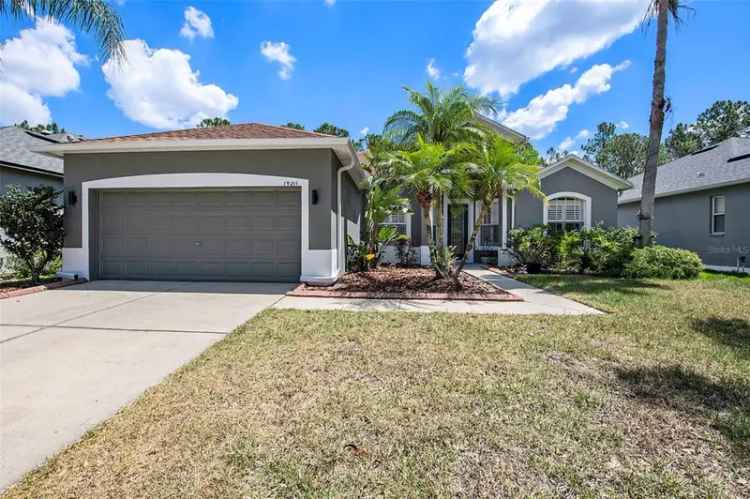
column 734, row 333
column 723, row 404
column 562, row 284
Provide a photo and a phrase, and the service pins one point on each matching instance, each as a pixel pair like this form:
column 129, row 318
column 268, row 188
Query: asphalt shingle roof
column 239, row 131
column 15, row 148
column 726, row 162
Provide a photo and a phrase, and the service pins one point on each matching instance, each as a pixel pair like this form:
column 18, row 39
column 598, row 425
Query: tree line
column 624, row 153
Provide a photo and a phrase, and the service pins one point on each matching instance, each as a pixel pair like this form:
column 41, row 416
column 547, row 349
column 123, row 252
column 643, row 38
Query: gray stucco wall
column 684, row 221
column 12, row 176
column 352, row 208
column 529, row 209
column 317, row 165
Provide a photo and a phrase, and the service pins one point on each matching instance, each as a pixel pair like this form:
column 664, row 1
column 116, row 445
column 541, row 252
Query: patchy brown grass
column 650, row 400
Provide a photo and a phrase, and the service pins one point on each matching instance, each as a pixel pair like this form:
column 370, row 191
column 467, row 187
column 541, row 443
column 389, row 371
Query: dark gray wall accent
column 416, row 220
column 603, row 198
column 352, row 207
column 684, row 221
column 317, row 165
column 13, row 176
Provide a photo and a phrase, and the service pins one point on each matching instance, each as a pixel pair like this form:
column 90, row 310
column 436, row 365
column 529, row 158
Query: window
column 718, row 214
column 565, row 214
column 398, row 220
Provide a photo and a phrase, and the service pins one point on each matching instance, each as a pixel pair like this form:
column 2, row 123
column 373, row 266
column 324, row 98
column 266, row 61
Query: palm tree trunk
column 472, row 240
column 656, row 122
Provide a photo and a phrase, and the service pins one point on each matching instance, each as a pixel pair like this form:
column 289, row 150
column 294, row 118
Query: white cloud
column 197, row 23
column 573, row 70
column 432, row 70
column 566, row 144
column 329, row 3
column 517, row 40
column 279, row 52
column 623, row 124
column 158, row 88
column 364, row 131
column 583, row 134
column 40, row 62
column 17, row 105
column 544, row 112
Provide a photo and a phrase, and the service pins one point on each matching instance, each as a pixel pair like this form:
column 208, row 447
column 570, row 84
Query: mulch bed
column 21, row 288
column 406, row 284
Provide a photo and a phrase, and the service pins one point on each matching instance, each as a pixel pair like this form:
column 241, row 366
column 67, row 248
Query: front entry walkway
column 536, row 301
column 73, row 356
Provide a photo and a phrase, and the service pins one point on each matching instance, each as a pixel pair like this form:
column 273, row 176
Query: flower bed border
column 38, row 289
column 305, row 291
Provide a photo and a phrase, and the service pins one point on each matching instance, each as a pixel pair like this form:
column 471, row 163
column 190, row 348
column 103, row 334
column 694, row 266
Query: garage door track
column 73, row 356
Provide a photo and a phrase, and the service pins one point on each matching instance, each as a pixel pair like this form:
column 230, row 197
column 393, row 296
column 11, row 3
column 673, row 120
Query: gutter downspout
column 340, row 236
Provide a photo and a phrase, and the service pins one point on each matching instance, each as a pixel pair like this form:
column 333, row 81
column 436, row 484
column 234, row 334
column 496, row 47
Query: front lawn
column 652, row 399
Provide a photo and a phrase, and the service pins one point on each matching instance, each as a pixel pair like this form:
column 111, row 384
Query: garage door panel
column 199, row 235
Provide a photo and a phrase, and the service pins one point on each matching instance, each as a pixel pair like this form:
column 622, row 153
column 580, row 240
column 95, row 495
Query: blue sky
column 352, row 58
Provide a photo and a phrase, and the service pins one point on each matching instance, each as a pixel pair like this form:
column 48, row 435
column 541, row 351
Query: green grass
column 649, row 400
column 726, row 277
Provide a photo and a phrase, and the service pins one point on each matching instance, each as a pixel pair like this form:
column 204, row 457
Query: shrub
column 20, row 269
column 534, row 247
column 607, row 250
column 33, row 226
column 663, row 262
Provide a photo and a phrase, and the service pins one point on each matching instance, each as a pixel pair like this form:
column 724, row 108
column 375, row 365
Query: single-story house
column 21, row 166
column 701, row 203
column 268, row 203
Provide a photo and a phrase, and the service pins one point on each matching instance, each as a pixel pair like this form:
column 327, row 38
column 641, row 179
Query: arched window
column 565, row 211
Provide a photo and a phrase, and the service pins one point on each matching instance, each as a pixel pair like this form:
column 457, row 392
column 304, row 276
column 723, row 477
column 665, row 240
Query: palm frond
column 95, row 16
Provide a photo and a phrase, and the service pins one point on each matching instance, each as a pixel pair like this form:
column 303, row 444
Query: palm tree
column 663, row 9
column 441, row 117
column 89, row 15
column 431, row 170
column 499, row 165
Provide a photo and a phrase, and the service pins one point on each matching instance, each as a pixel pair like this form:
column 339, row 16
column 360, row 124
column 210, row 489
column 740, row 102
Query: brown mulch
column 406, row 283
column 22, row 288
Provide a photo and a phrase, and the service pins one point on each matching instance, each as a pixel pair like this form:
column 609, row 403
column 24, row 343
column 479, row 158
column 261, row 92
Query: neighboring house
column 702, row 203
column 247, row 202
column 21, row 166
column 578, row 194
column 267, row 203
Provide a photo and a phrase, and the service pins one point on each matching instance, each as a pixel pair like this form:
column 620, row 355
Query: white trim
column 316, row 264
column 576, row 195
column 726, row 268
column 502, row 130
column 424, row 255
column 586, row 168
column 715, row 214
column 688, row 190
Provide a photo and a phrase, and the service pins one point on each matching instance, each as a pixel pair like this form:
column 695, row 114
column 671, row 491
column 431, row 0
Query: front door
column 458, row 225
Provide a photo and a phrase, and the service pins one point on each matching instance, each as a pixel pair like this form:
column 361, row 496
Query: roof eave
column 342, row 147
column 688, row 190
column 591, row 171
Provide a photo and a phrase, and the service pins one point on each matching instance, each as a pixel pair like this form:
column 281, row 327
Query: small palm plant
column 381, row 201
column 497, row 165
column 432, row 171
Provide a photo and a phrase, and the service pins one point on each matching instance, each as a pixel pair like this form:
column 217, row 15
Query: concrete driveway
column 72, row 357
